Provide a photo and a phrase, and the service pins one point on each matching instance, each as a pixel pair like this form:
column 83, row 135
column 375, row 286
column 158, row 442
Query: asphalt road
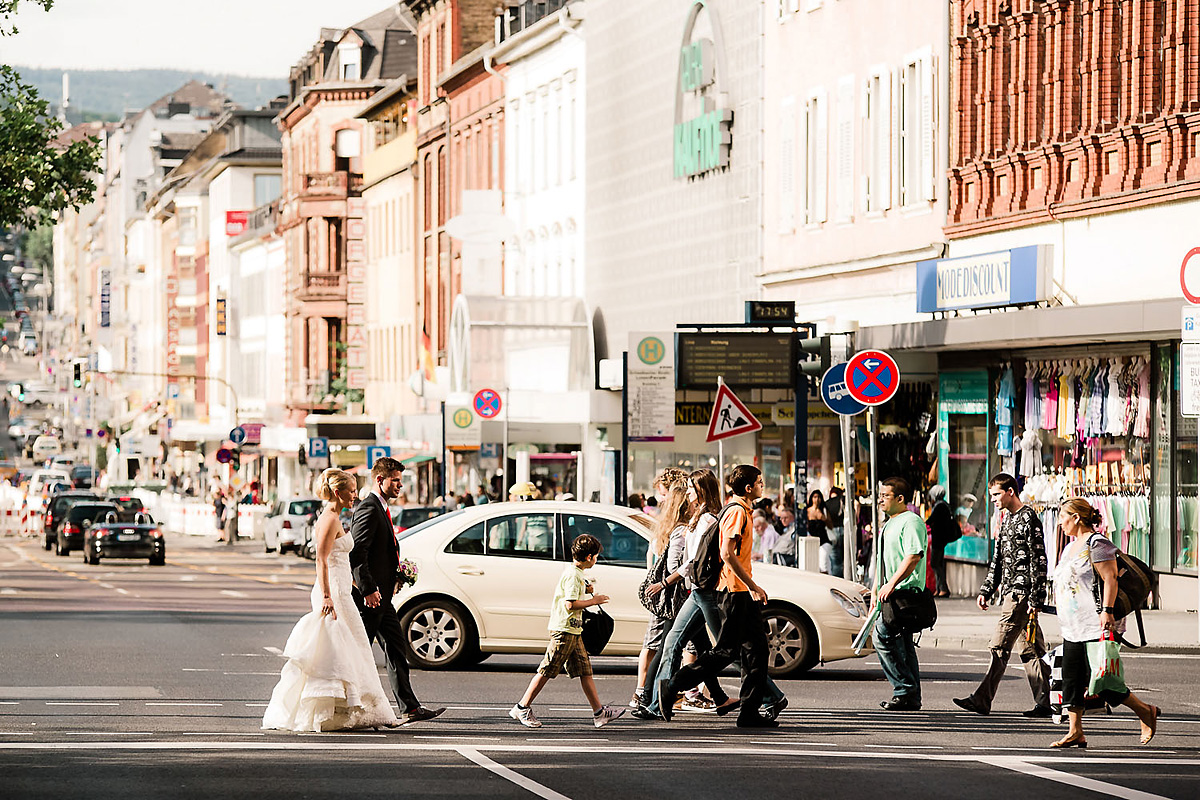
column 126, row 680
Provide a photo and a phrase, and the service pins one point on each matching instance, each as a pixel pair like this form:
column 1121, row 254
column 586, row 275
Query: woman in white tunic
column 330, row 681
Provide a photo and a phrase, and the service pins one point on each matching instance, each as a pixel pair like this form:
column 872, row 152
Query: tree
column 38, row 174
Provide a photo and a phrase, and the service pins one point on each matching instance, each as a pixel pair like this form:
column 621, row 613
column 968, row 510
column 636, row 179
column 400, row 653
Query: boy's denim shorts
column 565, row 649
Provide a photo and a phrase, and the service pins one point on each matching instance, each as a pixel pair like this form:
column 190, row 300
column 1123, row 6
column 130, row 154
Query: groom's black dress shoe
column 421, row 714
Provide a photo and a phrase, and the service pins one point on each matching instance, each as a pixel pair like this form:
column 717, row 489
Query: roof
column 389, row 46
column 200, row 96
column 397, row 88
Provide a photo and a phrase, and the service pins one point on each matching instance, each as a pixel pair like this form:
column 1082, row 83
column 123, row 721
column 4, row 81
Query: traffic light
column 816, row 356
column 20, row 393
column 77, row 375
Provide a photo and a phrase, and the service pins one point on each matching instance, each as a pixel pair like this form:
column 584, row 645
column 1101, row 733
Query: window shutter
column 892, row 79
column 845, row 150
column 787, row 165
column 867, row 137
column 822, row 157
column 929, row 167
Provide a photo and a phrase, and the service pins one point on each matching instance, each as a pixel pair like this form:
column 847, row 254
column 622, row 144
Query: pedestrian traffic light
column 816, row 356
column 77, row 375
column 21, row 392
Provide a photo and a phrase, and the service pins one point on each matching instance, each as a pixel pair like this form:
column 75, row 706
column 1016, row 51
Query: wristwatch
column 1110, row 610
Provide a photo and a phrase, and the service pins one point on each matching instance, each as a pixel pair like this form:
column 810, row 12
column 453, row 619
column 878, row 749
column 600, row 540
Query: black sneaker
column 666, row 699
column 641, row 712
column 757, row 721
column 773, row 710
column 1038, row 712
column 969, row 704
column 900, row 704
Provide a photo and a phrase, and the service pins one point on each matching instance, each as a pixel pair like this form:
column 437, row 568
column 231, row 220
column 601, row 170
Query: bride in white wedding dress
column 330, row 681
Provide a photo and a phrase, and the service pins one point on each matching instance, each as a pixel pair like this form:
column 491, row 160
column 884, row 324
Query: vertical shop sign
column 703, row 133
column 105, row 298
column 1189, row 379
column 356, row 295
column 172, row 295
column 651, row 389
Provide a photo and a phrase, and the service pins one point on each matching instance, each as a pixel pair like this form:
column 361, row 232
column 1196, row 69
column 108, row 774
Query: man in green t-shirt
column 903, row 543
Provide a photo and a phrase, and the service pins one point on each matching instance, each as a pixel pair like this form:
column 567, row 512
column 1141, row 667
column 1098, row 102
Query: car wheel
column 92, row 559
column 47, row 544
column 792, row 647
column 267, row 546
column 439, row 634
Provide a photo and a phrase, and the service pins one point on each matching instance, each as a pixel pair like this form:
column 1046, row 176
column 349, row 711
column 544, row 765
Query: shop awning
column 418, row 459
column 187, row 430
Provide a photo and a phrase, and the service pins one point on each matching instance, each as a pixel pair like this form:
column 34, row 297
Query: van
column 47, row 447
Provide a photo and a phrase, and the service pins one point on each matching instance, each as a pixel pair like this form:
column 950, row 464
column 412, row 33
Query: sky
column 261, row 38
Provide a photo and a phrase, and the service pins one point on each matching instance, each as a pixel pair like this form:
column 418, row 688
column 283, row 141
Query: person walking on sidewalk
column 903, row 543
column 1018, row 575
column 743, row 633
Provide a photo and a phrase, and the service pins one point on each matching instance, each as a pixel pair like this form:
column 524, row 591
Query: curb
column 972, row 643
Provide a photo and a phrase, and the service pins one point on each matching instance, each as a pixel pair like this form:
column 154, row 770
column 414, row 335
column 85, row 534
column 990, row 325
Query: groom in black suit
column 374, row 560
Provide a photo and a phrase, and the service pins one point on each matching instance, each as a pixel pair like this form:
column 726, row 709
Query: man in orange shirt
column 743, row 633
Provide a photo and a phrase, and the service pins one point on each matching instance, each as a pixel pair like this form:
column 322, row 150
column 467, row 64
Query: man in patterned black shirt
column 1018, row 574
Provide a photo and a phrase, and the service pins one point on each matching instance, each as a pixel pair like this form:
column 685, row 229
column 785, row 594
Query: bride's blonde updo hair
column 332, row 481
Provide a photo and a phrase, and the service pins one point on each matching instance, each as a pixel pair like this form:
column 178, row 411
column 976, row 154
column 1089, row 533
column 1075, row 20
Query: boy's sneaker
column 641, row 712
column 696, row 702
column 607, row 714
column 525, row 716
column 637, row 699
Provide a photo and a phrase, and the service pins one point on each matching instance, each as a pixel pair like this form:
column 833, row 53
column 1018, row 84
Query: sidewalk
column 962, row 626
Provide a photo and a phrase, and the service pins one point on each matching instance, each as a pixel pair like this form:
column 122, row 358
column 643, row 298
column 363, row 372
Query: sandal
column 1078, row 741
column 1146, row 737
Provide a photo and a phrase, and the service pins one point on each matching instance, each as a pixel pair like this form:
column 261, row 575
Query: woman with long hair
column 668, row 543
column 816, row 522
column 330, row 681
column 1085, row 613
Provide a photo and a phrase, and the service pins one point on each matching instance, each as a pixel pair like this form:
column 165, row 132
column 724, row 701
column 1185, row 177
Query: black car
column 129, row 506
column 79, row 517
column 141, row 538
column 56, row 511
column 83, row 476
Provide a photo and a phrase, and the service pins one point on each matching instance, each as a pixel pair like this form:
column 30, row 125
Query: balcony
column 521, row 14
column 322, row 285
column 332, row 185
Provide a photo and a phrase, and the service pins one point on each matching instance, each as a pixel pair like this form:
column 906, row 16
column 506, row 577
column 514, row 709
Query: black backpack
column 705, row 569
column 1135, row 583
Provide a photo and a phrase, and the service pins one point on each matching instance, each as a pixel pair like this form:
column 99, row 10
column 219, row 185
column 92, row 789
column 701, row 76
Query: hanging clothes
column 1094, row 424
column 1031, row 454
column 1114, row 403
column 1066, row 403
column 1006, row 403
column 1084, row 382
column 1050, row 405
column 1141, row 427
column 1033, row 403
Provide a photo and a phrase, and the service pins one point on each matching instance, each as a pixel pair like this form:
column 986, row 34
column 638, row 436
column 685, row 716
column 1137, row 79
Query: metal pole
column 720, row 448
column 504, row 483
column 876, row 532
column 849, row 526
column 445, row 451
column 623, row 466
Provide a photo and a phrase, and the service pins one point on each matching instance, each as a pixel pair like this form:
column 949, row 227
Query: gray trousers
column 1013, row 624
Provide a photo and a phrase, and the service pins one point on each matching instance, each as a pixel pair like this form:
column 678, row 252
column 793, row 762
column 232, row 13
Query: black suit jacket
column 375, row 555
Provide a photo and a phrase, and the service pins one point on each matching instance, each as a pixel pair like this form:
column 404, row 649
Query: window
column 844, row 170
column 787, row 165
column 816, row 156
column 876, row 137
column 520, row 536
column 915, row 146
column 266, row 189
column 350, row 61
column 621, row 546
column 187, row 226
column 469, row 542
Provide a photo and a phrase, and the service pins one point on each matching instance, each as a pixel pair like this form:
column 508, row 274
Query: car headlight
column 851, row 605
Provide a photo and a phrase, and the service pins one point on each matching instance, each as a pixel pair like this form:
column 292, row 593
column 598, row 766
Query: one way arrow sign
column 730, row 417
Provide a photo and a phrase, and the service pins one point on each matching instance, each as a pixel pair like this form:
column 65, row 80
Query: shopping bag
column 1104, row 660
column 597, row 629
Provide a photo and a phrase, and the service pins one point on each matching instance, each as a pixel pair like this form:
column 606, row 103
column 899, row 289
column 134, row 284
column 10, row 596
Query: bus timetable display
column 744, row 360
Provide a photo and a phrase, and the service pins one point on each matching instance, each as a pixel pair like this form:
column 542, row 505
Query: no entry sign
column 872, row 377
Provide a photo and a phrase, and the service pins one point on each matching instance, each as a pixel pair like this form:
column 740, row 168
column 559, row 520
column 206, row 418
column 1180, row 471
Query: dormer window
column 350, row 61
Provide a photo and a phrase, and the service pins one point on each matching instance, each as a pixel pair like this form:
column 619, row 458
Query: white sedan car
column 487, row 574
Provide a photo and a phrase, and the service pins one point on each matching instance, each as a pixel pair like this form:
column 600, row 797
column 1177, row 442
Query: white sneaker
column 607, row 714
column 524, row 716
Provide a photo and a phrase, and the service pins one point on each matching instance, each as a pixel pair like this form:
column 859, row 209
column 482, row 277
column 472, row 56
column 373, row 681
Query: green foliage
column 38, row 176
column 38, row 245
column 9, row 7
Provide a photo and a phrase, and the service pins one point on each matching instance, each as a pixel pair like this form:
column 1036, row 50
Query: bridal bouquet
column 406, row 573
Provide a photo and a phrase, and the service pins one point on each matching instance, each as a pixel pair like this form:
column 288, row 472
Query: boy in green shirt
column 566, row 638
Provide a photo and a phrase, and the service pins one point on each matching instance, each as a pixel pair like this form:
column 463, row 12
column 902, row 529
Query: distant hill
column 108, row 94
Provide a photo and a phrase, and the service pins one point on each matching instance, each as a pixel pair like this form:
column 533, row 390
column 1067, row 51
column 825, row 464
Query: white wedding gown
column 329, row 681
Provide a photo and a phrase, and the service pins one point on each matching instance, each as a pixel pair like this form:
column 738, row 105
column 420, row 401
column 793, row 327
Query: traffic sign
column 872, row 377
column 224, row 455
column 238, row 435
column 318, row 447
column 376, row 452
column 836, row 394
column 1191, row 295
column 730, row 417
column 487, row 403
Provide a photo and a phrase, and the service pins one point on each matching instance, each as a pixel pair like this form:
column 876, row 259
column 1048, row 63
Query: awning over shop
column 186, row 430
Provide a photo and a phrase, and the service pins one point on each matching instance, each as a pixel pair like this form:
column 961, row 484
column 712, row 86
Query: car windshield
column 409, row 517
column 90, row 512
column 127, row 504
column 429, row 522
column 298, row 508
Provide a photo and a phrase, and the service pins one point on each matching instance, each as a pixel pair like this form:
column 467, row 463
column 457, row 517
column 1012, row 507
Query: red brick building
column 1067, row 108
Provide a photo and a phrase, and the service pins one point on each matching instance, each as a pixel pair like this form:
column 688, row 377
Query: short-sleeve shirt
column 571, row 586
column 904, row 536
column 1075, row 588
column 736, row 525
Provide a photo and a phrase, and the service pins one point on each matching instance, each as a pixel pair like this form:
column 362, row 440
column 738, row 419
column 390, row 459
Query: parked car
column 141, row 538
column 128, row 506
column 56, row 512
column 45, row 447
column 34, row 501
column 487, row 574
column 288, row 525
column 63, row 461
column 83, row 476
column 411, row 516
column 79, row 517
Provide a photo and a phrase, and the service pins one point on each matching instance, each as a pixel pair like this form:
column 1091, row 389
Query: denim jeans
column 688, row 626
column 837, row 556
column 898, row 657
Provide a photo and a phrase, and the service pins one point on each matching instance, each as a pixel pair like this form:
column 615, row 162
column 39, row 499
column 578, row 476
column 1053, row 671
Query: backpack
column 1135, row 582
column 705, row 568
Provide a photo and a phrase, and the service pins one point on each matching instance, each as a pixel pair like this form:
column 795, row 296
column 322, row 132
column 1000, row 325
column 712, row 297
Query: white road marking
column 122, row 591
column 1106, row 751
column 798, row 744
column 9, row 703
column 198, row 669
column 9, row 590
column 187, row 578
column 906, row 746
column 75, row 703
column 220, row 733
column 210, row 705
column 276, row 673
column 470, row 738
column 513, row 777
column 106, row 585
column 108, row 733
column 1077, row 781
column 694, row 741
column 257, row 705
column 232, row 593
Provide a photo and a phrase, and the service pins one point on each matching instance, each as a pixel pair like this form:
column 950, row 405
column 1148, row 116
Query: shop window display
column 963, row 459
column 1187, row 508
column 1163, row 493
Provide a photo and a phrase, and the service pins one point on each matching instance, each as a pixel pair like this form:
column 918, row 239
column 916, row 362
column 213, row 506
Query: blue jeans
column 700, row 609
column 837, row 556
column 898, row 657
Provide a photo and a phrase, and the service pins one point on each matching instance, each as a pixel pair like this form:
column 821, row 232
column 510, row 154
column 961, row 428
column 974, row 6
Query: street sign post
column 487, row 403
column 318, row 452
column 730, row 416
column 238, row 435
column 836, row 394
column 376, row 452
column 224, row 455
column 872, row 377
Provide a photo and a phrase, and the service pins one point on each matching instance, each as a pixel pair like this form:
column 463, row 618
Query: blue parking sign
column 377, row 452
column 318, row 447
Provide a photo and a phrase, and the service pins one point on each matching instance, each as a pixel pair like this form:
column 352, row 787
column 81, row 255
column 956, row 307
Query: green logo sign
column 703, row 130
column 463, row 418
column 651, row 350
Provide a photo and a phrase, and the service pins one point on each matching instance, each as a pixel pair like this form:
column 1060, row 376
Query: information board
column 651, row 387
column 744, row 360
